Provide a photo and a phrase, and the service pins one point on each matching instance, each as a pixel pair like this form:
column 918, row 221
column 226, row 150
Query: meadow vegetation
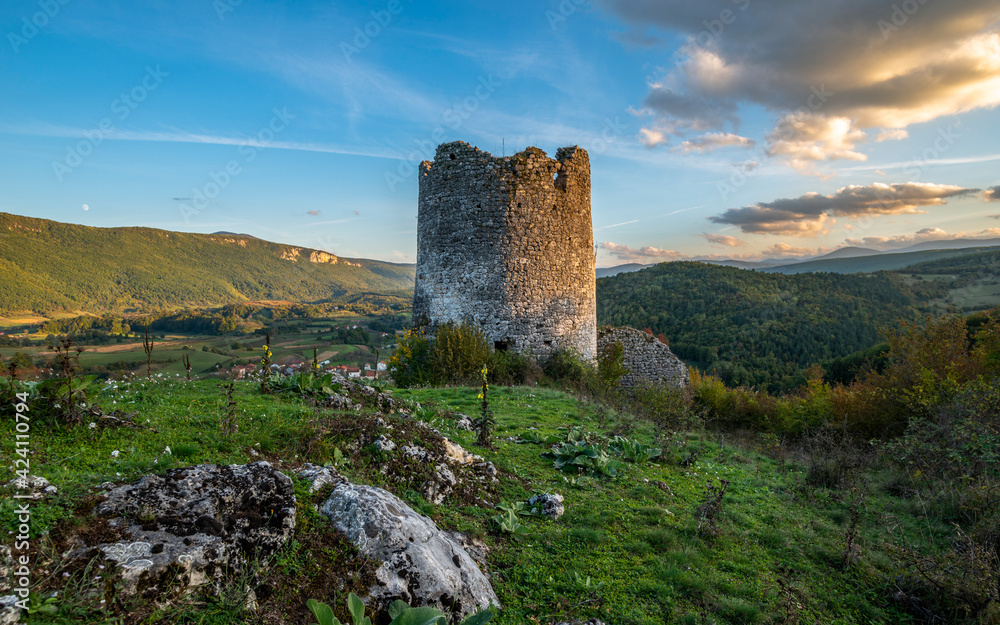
column 867, row 502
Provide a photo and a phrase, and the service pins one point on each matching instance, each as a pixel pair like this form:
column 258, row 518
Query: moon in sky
column 86, row 207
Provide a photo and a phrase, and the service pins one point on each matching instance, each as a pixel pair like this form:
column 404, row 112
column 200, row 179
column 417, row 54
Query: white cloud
column 892, row 134
column 804, row 138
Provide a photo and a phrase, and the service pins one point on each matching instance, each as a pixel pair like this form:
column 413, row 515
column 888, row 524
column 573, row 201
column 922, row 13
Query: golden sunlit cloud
column 845, row 72
column 645, row 254
column 721, row 239
column 807, row 215
column 784, row 249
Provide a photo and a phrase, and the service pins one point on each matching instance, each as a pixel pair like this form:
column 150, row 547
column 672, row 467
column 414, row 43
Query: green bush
column 458, row 353
column 410, row 363
column 666, row 406
column 568, row 367
column 513, row 369
column 454, row 355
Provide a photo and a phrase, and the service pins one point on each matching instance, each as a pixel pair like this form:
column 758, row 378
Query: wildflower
column 114, row 454
column 92, row 425
column 167, row 450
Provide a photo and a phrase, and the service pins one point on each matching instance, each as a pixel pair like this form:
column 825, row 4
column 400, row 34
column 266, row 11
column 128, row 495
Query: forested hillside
column 48, row 266
column 754, row 328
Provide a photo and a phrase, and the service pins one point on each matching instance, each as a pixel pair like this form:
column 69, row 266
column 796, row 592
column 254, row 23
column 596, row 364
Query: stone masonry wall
column 646, row 358
column 507, row 244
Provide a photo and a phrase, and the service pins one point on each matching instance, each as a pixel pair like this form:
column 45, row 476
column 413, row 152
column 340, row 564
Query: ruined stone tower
column 507, row 244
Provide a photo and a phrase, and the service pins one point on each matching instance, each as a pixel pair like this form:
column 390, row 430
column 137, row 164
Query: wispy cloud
column 715, row 140
column 965, row 160
column 181, row 136
column 624, row 223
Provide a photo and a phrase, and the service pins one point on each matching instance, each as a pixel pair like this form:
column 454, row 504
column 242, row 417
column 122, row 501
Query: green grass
column 635, row 536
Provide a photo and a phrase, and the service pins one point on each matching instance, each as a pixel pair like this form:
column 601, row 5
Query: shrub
column 666, row 406
column 511, row 369
column 458, row 353
column 610, row 370
column 410, row 363
column 567, row 367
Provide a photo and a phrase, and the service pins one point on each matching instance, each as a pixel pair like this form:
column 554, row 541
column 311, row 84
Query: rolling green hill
column 968, row 283
column 48, row 266
column 757, row 328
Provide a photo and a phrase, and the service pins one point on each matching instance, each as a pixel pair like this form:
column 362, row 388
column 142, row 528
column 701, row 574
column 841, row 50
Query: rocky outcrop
column 417, row 562
column 10, row 613
column 353, row 395
column 36, row 487
column 646, row 358
column 194, row 525
column 549, row 505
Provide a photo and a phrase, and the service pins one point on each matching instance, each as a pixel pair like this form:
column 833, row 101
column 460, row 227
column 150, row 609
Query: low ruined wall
column 646, row 358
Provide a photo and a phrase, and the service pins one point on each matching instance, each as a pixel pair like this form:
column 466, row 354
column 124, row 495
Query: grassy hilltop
column 633, row 549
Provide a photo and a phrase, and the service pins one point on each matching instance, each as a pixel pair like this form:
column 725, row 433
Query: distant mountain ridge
column 49, row 266
column 885, row 261
column 843, row 260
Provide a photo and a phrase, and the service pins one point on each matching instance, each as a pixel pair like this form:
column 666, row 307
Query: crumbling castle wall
column 507, row 243
column 646, row 358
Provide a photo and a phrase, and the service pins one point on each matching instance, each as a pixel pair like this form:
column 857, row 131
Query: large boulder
column 194, row 525
column 417, row 562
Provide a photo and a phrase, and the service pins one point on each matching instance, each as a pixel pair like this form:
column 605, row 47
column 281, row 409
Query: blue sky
column 717, row 129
